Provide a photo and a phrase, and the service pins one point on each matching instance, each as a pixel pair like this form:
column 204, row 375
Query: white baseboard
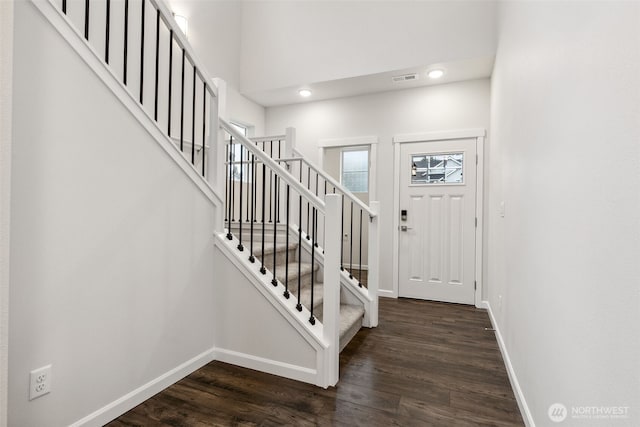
column 483, row 304
column 269, row 366
column 515, row 385
column 139, row 395
column 386, row 293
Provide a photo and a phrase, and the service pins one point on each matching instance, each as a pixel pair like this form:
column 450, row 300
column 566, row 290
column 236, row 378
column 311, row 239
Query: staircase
column 284, row 257
column 280, row 221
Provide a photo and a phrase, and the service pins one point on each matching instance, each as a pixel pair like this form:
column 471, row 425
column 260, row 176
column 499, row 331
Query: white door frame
column 365, row 141
column 398, row 140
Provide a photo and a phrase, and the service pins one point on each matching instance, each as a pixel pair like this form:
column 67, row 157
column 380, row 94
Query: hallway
column 426, row 364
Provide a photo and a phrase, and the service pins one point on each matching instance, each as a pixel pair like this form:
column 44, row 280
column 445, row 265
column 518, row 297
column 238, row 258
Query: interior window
column 354, row 172
column 240, row 165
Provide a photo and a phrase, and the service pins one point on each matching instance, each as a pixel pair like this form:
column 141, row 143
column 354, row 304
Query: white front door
column 438, row 220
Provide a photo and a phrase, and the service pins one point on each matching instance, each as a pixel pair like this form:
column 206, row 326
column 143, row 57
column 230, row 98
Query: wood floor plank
column 427, row 364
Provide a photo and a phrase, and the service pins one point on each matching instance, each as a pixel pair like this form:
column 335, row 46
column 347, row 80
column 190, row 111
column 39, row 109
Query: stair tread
column 305, row 268
column 318, row 295
column 268, row 246
column 350, row 314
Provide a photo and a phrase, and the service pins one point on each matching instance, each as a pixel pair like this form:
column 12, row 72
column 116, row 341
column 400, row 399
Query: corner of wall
column 6, row 90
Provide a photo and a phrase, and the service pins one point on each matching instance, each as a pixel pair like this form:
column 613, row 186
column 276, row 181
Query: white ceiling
column 381, row 82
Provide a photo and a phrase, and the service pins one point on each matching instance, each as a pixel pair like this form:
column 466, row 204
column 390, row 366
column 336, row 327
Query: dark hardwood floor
column 427, row 364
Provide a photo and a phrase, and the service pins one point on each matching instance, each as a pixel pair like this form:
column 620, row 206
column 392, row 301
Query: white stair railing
column 353, row 212
column 256, row 186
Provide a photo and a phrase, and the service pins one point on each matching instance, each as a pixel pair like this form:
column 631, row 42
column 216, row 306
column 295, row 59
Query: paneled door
column 437, row 220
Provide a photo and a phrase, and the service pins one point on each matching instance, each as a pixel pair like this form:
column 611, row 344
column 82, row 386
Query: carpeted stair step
column 305, row 274
column 280, row 250
column 318, row 296
column 351, row 317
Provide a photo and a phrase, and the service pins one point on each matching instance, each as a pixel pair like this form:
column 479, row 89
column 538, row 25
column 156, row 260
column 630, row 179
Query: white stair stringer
column 258, row 328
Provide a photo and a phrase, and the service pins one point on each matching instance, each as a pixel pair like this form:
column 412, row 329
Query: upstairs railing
column 145, row 50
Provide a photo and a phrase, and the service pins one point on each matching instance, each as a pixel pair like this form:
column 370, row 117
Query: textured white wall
column 215, row 32
column 287, row 43
column 435, row 108
column 6, row 99
column 112, row 247
column 565, row 158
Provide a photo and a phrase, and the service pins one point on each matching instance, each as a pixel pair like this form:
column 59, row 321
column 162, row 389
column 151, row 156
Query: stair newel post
column 351, row 244
column 315, row 220
column 360, row 250
column 308, row 204
column 286, row 261
column 217, row 148
column 371, row 317
column 331, row 302
column 278, row 189
column 288, row 147
column 274, row 281
column 229, row 200
column 299, row 306
column 341, row 229
column 271, row 204
column 263, row 269
column 240, row 184
column 314, row 216
column 253, row 207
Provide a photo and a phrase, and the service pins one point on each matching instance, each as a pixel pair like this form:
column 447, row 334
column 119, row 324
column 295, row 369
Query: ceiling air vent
column 404, row 78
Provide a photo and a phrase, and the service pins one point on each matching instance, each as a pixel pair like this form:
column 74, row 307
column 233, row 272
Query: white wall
column 112, row 247
column 565, row 158
column 244, row 111
column 289, row 43
column 435, row 108
column 240, row 336
column 6, row 90
column 214, row 32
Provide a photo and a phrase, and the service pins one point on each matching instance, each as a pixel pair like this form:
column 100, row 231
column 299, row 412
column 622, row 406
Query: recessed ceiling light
column 304, row 93
column 435, row 74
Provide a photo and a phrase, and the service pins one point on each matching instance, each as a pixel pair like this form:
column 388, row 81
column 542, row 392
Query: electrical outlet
column 499, row 302
column 39, row 382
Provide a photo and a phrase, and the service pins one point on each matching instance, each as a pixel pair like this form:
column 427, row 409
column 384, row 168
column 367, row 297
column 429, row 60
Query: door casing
column 479, row 136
